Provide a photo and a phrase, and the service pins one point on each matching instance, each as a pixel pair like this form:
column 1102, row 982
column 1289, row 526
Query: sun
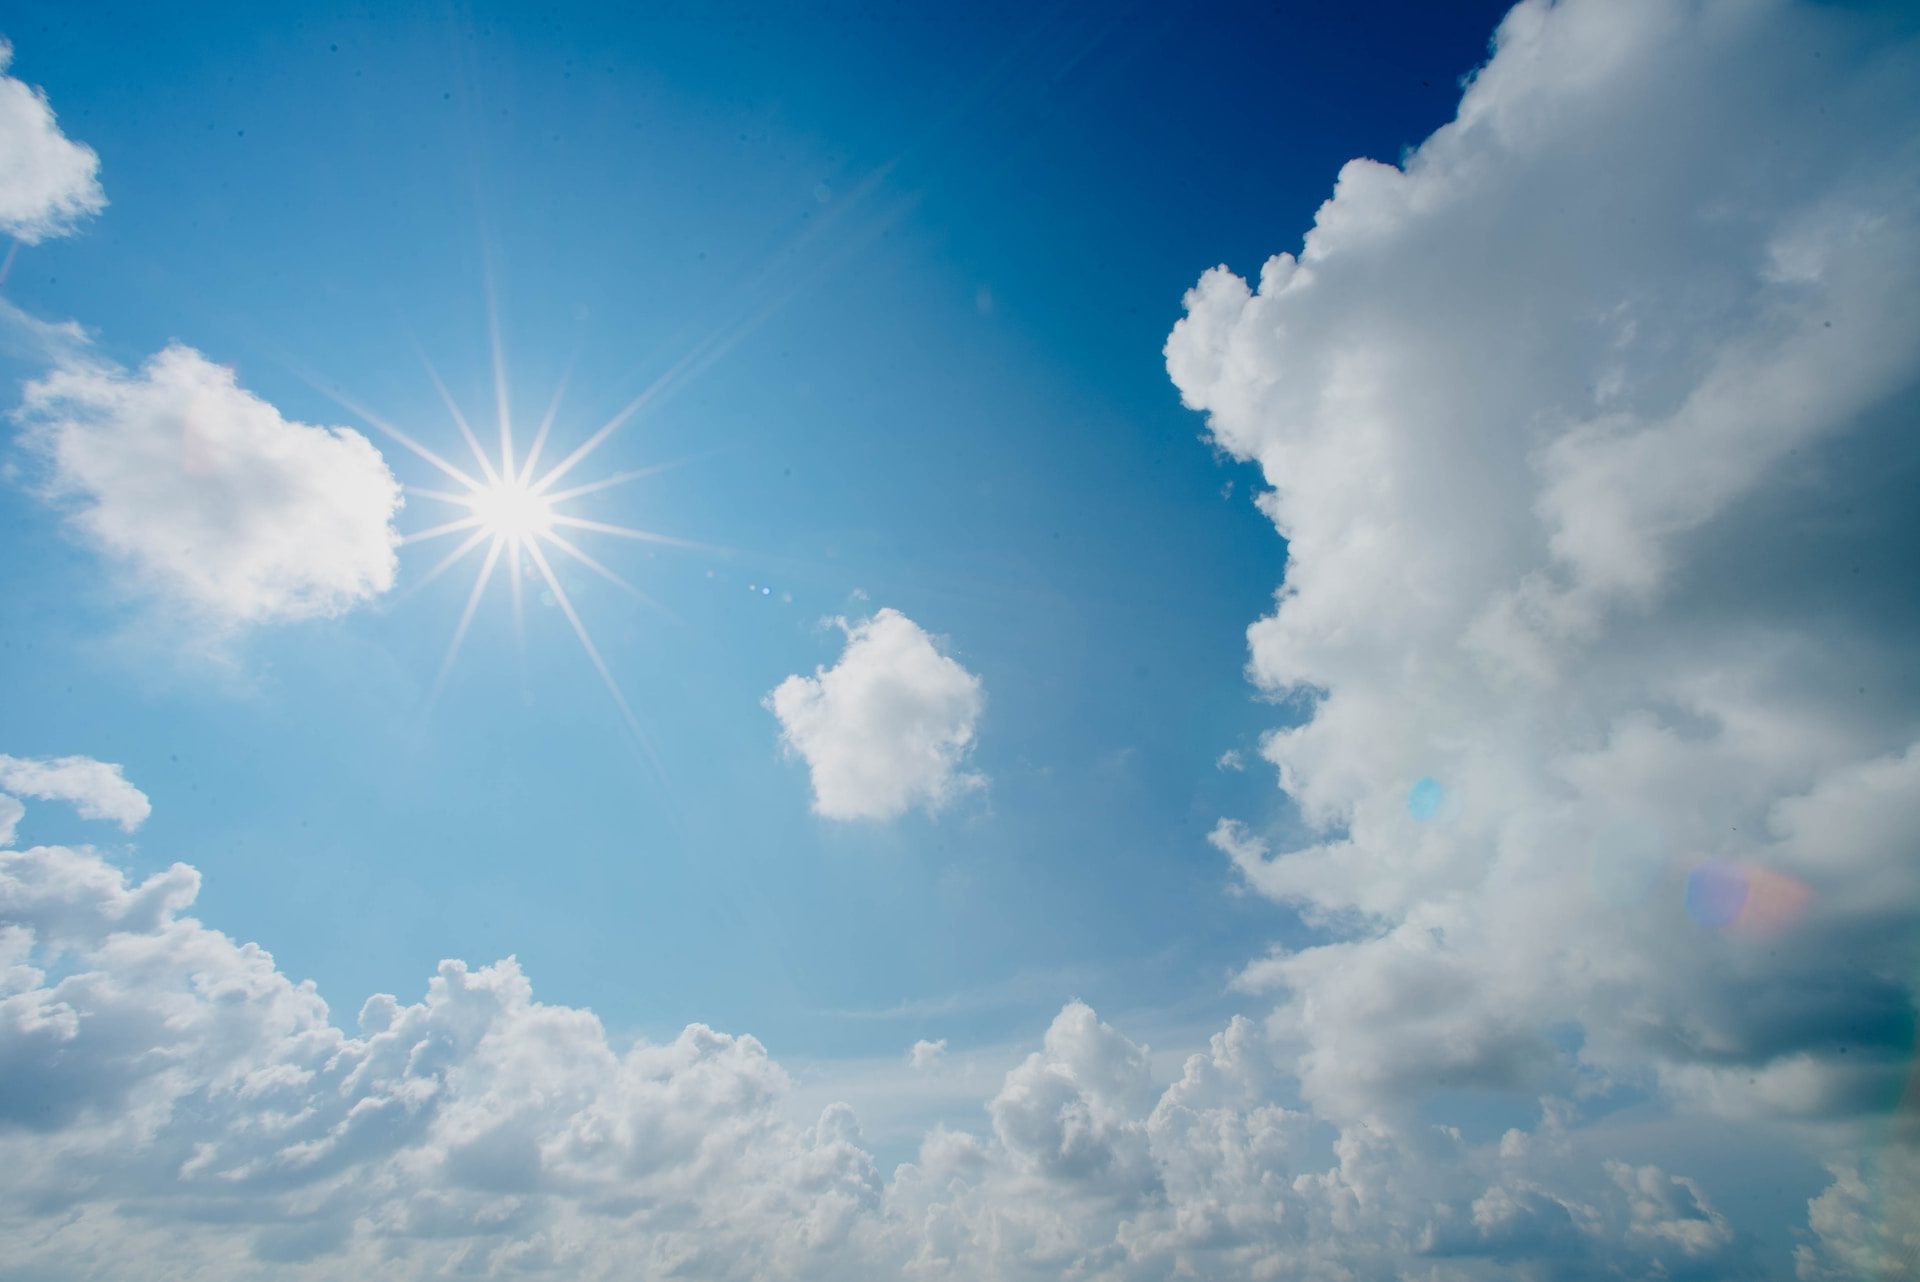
column 512, row 510
column 513, row 516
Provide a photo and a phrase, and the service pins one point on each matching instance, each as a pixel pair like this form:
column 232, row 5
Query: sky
column 1109, row 642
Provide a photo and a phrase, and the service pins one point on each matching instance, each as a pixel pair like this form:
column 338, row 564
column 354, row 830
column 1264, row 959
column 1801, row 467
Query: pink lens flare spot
column 1723, row 894
column 1774, row 901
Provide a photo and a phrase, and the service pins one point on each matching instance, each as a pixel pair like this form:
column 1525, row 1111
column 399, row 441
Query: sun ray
column 436, row 531
column 501, row 408
column 381, row 425
column 577, row 553
column 519, row 597
column 459, row 420
column 628, row 532
column 443, row 496
column 617, row 478
column 449, row 560
column 466, row 615
column 593, row 652
column 546, row 426
column 609, row 427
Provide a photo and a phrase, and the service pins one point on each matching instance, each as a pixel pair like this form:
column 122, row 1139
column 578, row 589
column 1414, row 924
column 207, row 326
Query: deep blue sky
column 945, row 247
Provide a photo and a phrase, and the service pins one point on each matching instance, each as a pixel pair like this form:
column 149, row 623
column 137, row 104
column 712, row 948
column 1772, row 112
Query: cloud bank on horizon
column 178, row 1107
column 1586, row 428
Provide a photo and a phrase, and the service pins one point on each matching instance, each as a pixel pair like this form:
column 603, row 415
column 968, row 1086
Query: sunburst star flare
column 513, row 515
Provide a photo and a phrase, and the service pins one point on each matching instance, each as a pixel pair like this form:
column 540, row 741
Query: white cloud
column 175, row 1106
column 1588, row 431
column 48, row 182
column 1670, row 1209
column 923, row 1054
column 885, row 729
column 97, row 789
column 207, row 496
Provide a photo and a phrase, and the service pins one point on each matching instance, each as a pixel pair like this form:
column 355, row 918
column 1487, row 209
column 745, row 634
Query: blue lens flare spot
column 1716, row 892
column 1425, row 798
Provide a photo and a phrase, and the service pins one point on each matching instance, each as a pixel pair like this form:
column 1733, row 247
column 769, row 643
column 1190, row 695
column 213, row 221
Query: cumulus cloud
column 97, row 789
column 48, row 182
column 885, row 729
column 175, row 1106
column 207, row 496
column 1587, row 428
column 924, row 1054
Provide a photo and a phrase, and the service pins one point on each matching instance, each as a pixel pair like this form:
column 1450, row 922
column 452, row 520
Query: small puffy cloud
column 924, row 1054
column 97, row 789
column 885, row 729
column 48, row 182
column 208, row 496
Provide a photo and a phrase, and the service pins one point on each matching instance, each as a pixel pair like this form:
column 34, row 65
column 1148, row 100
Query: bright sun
column 514, row 516
column 512, row 510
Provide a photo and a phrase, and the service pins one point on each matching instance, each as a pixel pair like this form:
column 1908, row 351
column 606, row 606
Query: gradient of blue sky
column 955, row 405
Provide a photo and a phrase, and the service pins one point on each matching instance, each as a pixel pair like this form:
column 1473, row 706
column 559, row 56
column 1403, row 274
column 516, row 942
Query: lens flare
column 1425, row 798
column 1722, row 894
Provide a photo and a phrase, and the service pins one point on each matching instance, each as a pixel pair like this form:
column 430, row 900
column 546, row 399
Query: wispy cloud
column 96, row 789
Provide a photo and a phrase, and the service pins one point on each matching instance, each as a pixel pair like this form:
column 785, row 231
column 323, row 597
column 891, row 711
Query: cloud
column 923, row 1054
column 97, row 789
column 47, row 181
column 1587, row 428
column 885, row 729
column 207, row 496
column 176, row 1106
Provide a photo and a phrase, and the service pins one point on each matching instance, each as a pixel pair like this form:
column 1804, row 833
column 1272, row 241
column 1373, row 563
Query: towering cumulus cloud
column 47, row 181
column 1590, row 433
column 215, row 501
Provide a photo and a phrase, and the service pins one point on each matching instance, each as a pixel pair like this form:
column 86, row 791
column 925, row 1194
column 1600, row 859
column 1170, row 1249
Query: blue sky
column 946, row 256
column 1277, row 642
